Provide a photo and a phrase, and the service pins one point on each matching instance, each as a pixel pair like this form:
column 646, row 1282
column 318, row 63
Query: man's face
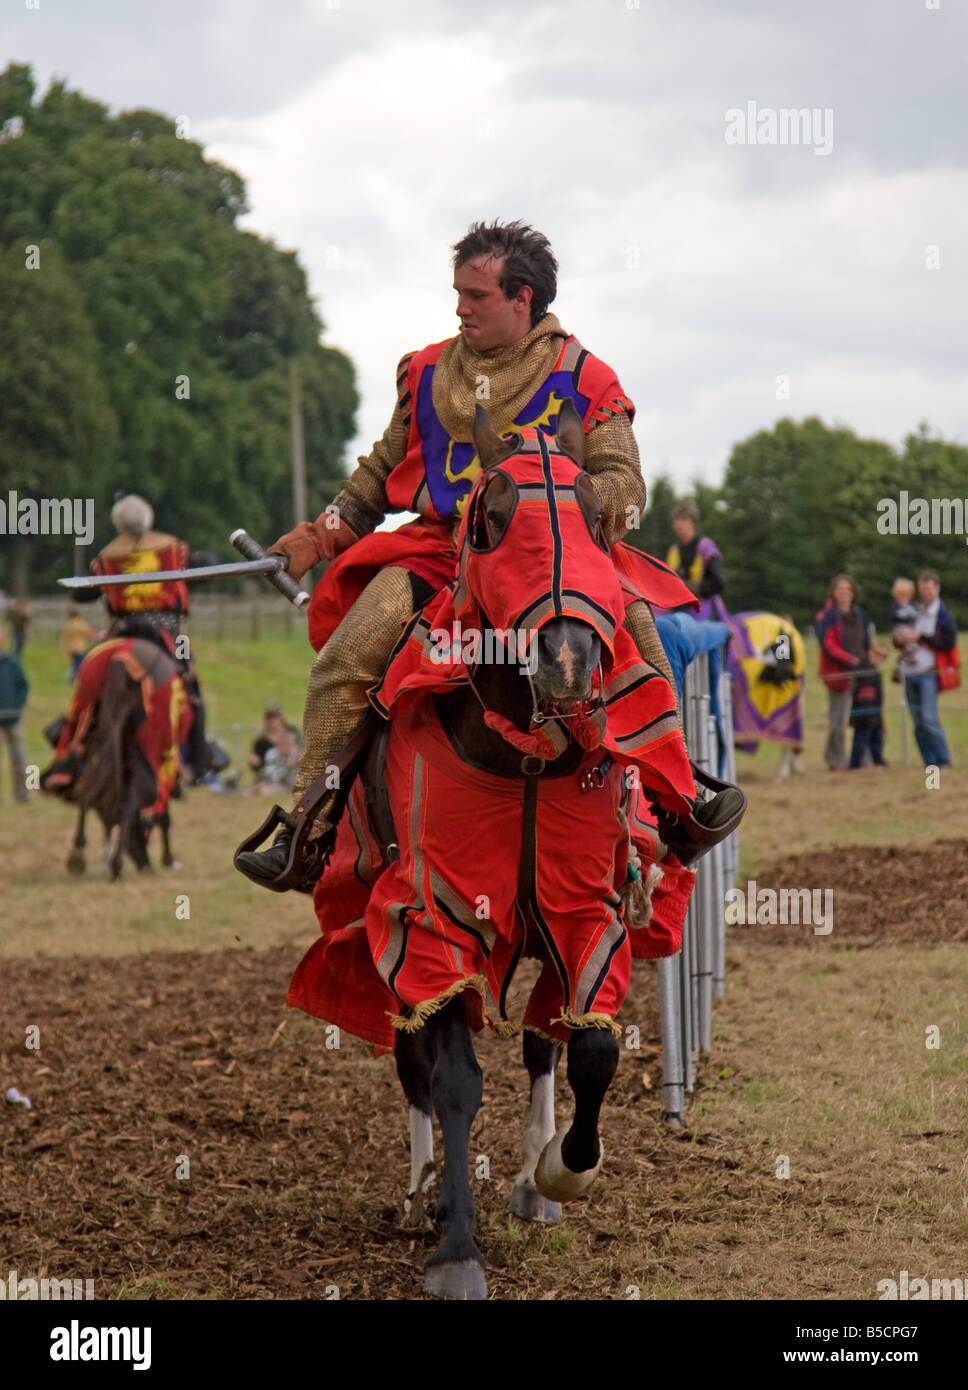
column 685, row 529
column 928, row 590
column 487, row 319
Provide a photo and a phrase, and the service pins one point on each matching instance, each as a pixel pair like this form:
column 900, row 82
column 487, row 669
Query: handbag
column 948, row 668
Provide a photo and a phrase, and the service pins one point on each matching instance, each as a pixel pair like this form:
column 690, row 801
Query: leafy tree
column 162, row 334
column 654, row 534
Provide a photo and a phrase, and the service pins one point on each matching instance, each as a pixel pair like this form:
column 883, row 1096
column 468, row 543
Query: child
column 865, row 715
column 903, row 617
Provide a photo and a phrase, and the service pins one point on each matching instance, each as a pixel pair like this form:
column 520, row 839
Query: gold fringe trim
column 503, row 1027
column 590, row 1020
column 539, row 1032
column 424, row 1010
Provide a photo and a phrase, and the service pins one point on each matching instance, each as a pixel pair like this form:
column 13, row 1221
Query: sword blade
column 270, row 565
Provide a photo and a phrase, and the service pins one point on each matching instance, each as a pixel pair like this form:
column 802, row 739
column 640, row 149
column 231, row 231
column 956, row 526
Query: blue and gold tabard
column 437, row 472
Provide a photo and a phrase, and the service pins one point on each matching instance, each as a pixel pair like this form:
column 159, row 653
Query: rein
column 588, row 731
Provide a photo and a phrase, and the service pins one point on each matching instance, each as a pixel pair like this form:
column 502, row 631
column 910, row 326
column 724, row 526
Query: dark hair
column 929, row 574
column 686, row 508
column 852, row 582
column 527, row 255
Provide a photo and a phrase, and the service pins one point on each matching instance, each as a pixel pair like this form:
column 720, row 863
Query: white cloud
column 383, row 128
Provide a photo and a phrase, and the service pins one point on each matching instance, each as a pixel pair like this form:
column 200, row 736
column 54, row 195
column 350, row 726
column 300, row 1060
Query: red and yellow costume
column 441, row 920
column 164, row 720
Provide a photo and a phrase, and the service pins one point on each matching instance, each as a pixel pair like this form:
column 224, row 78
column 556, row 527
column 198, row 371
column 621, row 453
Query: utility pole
column 299, row 508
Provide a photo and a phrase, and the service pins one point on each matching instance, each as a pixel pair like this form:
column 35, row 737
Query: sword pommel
column 252, row 550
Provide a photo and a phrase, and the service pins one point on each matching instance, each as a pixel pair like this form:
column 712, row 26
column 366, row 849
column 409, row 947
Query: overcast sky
column 371, row 132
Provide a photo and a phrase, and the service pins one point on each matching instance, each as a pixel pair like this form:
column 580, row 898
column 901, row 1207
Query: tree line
column 804, row 501
column 145, row 338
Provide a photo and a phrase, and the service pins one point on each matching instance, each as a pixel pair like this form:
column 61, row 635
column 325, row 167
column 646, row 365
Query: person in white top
column 933, row 630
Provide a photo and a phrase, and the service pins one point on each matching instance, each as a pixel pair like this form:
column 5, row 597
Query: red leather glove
column 312, row 541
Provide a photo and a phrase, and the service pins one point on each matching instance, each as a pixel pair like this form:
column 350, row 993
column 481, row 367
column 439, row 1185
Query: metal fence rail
column 691, row 980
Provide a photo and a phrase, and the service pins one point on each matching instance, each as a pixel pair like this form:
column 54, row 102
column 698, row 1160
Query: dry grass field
column 162, row 1036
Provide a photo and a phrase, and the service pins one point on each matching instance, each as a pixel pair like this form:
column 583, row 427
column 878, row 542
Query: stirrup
column 307, row 858
column 688, row 837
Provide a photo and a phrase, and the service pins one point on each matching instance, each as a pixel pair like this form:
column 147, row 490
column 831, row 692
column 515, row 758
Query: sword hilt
column 252, row 550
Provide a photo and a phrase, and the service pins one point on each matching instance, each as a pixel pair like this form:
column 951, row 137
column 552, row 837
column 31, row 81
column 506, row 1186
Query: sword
column 258, row 562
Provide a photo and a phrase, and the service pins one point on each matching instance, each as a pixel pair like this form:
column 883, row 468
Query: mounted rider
column 513, row 357
column 154, row 610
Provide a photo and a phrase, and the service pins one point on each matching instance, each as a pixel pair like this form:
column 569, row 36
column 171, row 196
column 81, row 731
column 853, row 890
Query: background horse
column 509, row 841
column 118, row 749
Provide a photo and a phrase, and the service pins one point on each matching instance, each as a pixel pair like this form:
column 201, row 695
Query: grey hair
column 132, row 514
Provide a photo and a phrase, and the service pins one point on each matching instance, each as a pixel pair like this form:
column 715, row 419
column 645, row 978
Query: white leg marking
column 416, row 1205
column 540, row 1127
column 421, row 1149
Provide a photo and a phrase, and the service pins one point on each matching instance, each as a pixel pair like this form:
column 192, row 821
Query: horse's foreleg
column 569, row 1164
column 415, row 1065
column 541, row 1057
column 76, row 861
column 456, row 1268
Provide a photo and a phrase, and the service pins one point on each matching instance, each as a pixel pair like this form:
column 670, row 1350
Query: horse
column 117, row 750
column 473, row 750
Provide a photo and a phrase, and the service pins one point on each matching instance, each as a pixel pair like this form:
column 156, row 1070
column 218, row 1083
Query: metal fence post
column 688, row 985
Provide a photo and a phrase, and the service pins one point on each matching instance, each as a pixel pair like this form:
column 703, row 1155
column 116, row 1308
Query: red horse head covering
column 535, row 552
column 549, row 559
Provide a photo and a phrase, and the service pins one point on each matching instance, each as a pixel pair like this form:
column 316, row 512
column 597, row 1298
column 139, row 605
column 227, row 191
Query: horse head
column 535, row 562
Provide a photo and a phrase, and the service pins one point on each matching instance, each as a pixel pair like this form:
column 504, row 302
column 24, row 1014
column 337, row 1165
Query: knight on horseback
column 513, row 356
column 153, row 611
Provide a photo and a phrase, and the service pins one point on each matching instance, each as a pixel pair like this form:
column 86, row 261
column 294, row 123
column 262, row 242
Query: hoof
column 555, row 1181
column 462, row 1279
column 76, row 863
column 530, row 1205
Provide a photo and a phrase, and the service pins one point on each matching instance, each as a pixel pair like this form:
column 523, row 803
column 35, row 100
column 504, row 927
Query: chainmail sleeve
column 612, row 459
column 362, row 500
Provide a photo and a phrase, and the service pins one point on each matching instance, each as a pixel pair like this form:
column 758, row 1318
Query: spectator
column 19, row 620
column 846, row 637
column 867, row 718
column 934, row 635
column 273, row 725
column 281, row 762
column 13, row 696
column 903, row 614
column 697, row 561
column 75, row 638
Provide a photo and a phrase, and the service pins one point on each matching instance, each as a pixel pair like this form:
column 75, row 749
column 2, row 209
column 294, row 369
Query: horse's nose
column 568, row 654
